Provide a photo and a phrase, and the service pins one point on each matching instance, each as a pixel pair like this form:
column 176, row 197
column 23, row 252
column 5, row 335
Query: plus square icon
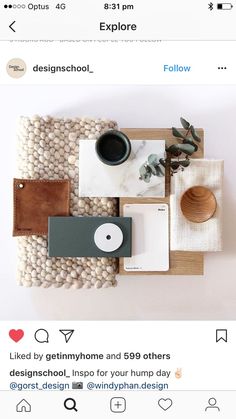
column 118, row 405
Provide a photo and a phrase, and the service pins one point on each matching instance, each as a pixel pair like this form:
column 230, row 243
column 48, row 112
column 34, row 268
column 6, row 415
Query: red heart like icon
column 16, row 335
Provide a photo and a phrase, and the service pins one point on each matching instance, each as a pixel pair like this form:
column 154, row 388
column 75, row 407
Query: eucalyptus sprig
column 178, row 155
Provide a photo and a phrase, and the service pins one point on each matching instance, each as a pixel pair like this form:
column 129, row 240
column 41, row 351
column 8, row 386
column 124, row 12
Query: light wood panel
column 181, row 263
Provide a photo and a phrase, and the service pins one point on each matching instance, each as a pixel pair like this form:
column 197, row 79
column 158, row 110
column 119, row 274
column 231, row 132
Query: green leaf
column 145, row 173
column 174, row 150
column 160, row 173
column 186, row 148
column 143, row 170
column 177, row 149
column 152, row 159
column 185, row 124
column 184, row 163
column 177, row 133
column 174, row 165
column 194, row 135
column 163, row 162
column 153, row 169
column 190, row 141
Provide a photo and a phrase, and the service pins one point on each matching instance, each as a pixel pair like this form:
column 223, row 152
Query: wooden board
column 181, row 263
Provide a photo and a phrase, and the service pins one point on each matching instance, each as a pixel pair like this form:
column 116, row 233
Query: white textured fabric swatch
column 189, row 236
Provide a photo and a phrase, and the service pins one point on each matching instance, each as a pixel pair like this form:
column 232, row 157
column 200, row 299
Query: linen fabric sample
column 187, row 235
column 48, row 148
column 35, row 201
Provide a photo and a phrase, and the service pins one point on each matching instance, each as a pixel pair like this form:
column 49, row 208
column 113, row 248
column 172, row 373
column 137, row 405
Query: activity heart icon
column 165, row 404
column 16, row 335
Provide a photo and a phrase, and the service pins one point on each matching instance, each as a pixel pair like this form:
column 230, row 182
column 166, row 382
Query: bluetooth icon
column 210, row 6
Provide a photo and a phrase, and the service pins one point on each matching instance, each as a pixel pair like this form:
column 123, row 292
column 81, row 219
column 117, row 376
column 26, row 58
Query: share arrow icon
column 67, row 333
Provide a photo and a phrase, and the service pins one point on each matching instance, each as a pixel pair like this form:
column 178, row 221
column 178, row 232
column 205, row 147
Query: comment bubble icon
column 41, row 336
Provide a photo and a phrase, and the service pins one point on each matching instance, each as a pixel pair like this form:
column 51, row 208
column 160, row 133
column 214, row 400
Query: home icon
column 23, row 407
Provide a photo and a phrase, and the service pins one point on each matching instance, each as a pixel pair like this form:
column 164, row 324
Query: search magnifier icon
column 70, row 404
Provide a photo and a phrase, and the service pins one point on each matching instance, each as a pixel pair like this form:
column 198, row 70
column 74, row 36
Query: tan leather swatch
column 35, row 201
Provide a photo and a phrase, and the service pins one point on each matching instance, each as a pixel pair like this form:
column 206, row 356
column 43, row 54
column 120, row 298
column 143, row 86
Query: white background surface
column 212, row 296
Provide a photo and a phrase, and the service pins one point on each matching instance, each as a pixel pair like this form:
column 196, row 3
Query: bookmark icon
column 221, row 335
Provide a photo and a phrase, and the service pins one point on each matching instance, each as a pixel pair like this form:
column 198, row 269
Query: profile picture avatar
column 16, row 68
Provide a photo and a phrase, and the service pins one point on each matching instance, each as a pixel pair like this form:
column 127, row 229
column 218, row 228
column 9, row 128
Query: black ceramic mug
column 113, row 147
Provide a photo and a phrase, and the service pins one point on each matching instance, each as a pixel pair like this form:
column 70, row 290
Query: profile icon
column 16, row 68
column 212, row 405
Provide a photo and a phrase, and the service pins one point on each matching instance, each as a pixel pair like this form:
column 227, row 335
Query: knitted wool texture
column 48, row 148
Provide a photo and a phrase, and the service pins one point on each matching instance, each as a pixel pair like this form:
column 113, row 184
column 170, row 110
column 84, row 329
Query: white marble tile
column 99, row 179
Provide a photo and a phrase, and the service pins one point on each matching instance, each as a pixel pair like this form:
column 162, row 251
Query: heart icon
column 165, row 404
column 16, row 335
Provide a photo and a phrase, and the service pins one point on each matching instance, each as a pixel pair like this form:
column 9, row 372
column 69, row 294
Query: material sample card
column 99, row 179
column 89, row 236
column 150, row 237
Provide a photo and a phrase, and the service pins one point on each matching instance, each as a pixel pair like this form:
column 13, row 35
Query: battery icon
column 224, row 6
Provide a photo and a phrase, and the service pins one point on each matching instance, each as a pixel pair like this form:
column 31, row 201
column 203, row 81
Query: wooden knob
column 198, row 204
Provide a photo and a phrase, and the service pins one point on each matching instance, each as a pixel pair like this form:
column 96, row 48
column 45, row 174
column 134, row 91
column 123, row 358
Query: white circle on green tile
column 108, row 237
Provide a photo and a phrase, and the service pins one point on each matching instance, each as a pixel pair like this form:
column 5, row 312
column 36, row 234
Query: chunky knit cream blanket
column 48, row 148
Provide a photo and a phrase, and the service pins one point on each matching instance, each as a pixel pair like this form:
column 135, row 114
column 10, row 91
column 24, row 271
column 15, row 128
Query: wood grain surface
column 181, row 263
column 198, row 204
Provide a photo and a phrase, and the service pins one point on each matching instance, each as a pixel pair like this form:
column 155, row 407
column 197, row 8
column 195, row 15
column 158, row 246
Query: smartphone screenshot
column 118, row 250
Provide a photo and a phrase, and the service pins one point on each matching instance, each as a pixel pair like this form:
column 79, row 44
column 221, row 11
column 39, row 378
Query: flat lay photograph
column 118, row 203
